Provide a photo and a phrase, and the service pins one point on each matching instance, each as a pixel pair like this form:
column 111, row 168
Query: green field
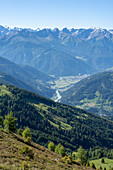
column 108, row 163
column 63, row 83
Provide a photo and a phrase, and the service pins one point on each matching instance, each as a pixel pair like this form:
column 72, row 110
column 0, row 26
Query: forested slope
column 94, row 94
column 60, row 123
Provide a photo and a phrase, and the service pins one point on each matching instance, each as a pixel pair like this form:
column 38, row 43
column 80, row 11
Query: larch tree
column 10, row 123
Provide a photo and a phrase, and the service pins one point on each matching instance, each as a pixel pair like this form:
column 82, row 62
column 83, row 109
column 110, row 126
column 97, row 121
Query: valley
column 64, row 83
column 59, row 84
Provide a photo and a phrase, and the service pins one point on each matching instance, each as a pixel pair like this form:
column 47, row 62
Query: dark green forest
column 58, row 122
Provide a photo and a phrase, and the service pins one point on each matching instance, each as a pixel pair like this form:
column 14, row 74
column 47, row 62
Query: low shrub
column 26, row 151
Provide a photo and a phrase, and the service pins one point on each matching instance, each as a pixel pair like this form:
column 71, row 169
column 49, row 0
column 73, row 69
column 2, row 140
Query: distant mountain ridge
column 46, row 31
column 8, row 79
column 26, row 77
column 57, row 52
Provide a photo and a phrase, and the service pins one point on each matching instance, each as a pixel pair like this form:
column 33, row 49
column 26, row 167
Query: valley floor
column 63, row 83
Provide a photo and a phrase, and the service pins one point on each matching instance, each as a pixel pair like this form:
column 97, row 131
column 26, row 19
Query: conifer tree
column 10, row 123
column 82, row 155
column 102, row 160
column 51, row 146
column 57, row 148
column 60, row 150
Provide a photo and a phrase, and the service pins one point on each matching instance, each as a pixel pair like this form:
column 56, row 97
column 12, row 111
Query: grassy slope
column 108, row 163
column 11, row 158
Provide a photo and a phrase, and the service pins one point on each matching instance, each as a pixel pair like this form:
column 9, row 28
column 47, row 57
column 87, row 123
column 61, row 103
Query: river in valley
column 58, row 96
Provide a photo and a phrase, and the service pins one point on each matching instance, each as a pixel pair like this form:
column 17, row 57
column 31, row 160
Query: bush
column 25, row 165
column 26, row 151
column 26, row 133
column 67, row 159
column 28, row 139
column 20, row 131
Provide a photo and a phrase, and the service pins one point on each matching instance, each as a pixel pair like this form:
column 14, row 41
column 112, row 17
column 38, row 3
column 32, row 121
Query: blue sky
column 57, row 13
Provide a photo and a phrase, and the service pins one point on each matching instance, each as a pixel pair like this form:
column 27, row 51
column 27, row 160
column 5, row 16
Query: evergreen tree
column 102, row 160
column 57, row 148
column 9, row 123
column 82, row 155
column 51, row 146
column 60, row 150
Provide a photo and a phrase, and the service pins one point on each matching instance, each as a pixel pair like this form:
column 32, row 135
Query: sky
column 57, row 13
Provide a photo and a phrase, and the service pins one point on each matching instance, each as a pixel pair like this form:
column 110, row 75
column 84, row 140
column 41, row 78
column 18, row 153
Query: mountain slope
column 60, row 123
column 7, row 79
column 30, row 76
column 60, row 52
column 11, row 157
column 94, row 94
column 53, row 60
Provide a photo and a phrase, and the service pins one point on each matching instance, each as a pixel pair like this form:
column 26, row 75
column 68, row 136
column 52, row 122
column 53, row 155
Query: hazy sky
column 57, row 13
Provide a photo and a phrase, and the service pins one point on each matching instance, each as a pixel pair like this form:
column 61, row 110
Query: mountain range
column 36, row 64
column 59, row 52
